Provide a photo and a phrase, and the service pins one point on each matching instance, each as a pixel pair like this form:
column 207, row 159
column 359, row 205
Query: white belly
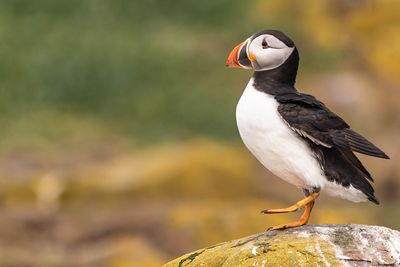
column 273, row 143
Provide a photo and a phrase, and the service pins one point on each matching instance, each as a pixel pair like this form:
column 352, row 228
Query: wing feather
column 311, row 119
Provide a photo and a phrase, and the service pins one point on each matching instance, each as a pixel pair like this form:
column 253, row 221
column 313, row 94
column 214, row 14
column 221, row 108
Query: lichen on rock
column 311, row 245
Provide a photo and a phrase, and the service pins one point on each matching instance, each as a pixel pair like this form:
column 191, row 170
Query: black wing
column 332, row 140
column 311, row 119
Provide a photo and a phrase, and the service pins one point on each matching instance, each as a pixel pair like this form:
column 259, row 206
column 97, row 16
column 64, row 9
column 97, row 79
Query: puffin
column 294, row 135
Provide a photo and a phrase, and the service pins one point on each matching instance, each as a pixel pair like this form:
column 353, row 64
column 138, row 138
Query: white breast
column 273, row 143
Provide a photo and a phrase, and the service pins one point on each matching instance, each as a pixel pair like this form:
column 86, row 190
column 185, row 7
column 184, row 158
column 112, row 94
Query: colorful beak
column 238, row 58
column 233, row 58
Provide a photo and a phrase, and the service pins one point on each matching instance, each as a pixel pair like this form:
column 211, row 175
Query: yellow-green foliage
column 281, row 249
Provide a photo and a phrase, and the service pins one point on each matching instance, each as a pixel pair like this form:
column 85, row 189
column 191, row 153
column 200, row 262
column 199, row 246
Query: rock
column 310, row 245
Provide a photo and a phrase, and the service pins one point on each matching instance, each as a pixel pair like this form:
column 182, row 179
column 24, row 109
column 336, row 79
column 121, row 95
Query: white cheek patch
column 271, row 57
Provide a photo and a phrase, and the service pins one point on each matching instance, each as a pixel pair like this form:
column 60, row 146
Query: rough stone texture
column 311, row 245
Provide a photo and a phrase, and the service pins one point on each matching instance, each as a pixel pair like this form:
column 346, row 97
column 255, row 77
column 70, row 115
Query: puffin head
column 265, row 50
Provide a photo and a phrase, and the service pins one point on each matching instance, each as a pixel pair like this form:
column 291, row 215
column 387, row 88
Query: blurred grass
column 118, row 143
column 130, row 64
column 145, row 69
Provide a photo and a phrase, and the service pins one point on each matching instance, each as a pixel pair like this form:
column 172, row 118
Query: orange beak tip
column 232, row 60
column 231, row 65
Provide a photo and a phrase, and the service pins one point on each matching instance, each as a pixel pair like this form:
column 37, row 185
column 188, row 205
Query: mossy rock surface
column 312, row 245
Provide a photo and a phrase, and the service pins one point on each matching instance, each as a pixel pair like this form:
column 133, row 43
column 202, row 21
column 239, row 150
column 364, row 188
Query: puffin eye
column 264, row 44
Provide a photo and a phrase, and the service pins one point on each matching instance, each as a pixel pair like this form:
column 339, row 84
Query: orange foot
column 294, row 207
column 302, row 221
column 307, row 202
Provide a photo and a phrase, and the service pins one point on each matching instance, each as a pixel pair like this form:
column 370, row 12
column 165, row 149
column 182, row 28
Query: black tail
column 343, row 167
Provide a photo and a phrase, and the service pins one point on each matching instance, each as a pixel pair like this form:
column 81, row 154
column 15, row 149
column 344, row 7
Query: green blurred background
column 118, row 144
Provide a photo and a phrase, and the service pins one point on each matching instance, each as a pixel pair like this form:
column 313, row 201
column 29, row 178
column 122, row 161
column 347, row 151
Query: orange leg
column 303, row 219
column 310, row 198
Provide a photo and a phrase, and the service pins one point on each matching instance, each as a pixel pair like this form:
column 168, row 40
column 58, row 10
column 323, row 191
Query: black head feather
column 278, row 34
